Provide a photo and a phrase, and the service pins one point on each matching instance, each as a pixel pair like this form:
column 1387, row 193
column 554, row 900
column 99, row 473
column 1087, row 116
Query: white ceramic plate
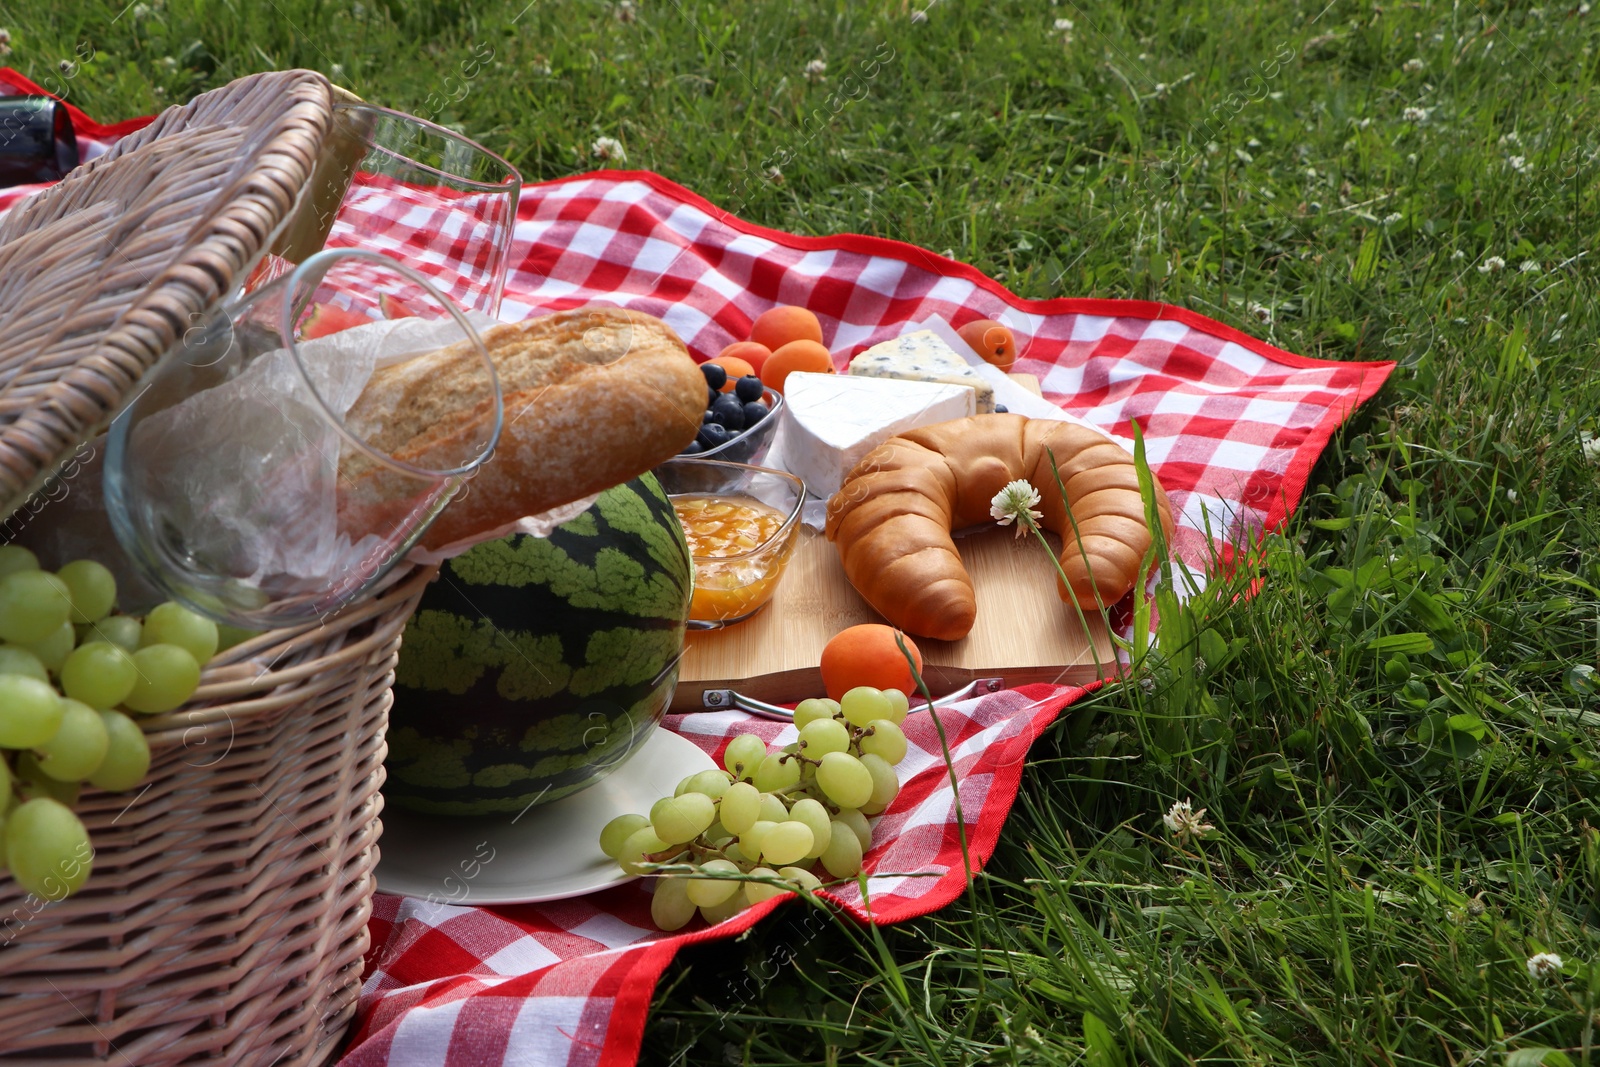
column 549, row 852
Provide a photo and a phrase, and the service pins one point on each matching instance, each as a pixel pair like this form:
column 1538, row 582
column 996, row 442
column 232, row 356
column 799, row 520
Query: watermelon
column 534, row 666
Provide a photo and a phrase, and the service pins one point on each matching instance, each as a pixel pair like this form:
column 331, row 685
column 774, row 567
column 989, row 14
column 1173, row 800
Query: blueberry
column 716, row 377
column 1001, row 409
column 749, row 388
column 693, row 447
column 754, row 412
column 712, row 434
column 709, row 416
column 711, row 396
column 728, row 411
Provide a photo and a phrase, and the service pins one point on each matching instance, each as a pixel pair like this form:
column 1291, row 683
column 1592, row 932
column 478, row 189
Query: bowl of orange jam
column 740, row 522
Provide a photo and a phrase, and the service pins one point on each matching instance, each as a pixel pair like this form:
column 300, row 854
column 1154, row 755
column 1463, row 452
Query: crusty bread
column 593, row 397
column 893, row 516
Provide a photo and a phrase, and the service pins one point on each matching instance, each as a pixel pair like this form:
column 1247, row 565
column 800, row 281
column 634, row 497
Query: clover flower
column 1543, row 966
column 1185, row 823
column 1015, row 503
column 815, row 70
column 1492, row 264
column 608, row 148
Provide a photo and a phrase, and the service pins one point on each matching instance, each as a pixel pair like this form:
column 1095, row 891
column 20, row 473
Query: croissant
column 893, row 516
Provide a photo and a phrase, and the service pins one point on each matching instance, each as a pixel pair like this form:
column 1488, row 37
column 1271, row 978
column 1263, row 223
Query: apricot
column 778, row 326
column 868, row 655
column 752, row 353
column 736, row 368
column 992, row 341
column 796, row 355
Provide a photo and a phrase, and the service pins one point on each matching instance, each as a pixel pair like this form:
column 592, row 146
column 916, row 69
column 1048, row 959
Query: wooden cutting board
column 1024, row 632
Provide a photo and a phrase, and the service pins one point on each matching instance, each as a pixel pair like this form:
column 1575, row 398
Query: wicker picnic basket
column 225, row 920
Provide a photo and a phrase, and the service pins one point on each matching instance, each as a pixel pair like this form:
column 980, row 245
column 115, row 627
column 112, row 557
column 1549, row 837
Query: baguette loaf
column 893, row 516
column 593, row 397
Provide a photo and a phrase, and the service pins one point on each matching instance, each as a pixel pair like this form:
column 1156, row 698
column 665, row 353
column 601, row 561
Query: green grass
column 1398, row 831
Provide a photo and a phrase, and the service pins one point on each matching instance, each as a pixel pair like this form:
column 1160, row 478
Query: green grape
column 93, row 589
column 717, row 833
column 824, row 736
column 79, row 746
column 14, row 558
column 124, row 631
column 14, row 659
column 787, row 842
column 859, row 825
column 808, row 711
column 174, row 624
column 743, row 755
column 800, row 877
column 30, row 711
column 730, row 850
column 885, row 740
column 53, row 650
column 863, row 704
column 33, row 605
column 677, row 820
column 773, row 809
column 639, row 845
column 228, row 636
column 127, row 754
column 740, row 807
column 615, row 833
column 670, row 905
column 750, row 841
column 842, row 857
column 711, row 783
column 33, row 782
column 709, row 892
column 815, row 817
column 844, row 780
column 899, row 706
column 885, row 783
column 166, row 677
column 756, row 892
column 47, row 848
column 777, row 772
column 726, row 910
column 683, row 785
column 100, row 674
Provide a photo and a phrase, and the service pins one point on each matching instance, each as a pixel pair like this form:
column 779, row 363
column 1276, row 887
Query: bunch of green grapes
column 774, row 815
column 71, row 672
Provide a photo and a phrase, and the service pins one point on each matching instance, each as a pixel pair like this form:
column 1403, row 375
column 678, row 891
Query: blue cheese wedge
column 923, row 357
column 832, row 420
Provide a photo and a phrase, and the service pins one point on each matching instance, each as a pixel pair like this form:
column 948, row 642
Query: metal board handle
column 730, row 700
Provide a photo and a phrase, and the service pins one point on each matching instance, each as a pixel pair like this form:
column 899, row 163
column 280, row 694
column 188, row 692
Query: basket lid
column 101, row 273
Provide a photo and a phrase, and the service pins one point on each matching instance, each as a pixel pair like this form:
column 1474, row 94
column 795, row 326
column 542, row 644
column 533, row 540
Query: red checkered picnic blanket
column 1232, row 427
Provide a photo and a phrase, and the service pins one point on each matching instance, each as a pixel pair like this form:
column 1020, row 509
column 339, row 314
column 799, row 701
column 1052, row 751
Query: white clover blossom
column 1529, row 266
column 1185, row 823
column 1063, row 26
column 1543, row 966
column 1015, row 503
column 624, row 11
column 815, row 70
column 1492, row 264
column 1519, row 164
column 336, row 72
column 773, row 174
column 1392, row 218
column 1590, row 445
column 608, row 148
column 1459, row 253
column 1413, row 65
column 1418, row 115
column 918, row 16
column 1259, row 312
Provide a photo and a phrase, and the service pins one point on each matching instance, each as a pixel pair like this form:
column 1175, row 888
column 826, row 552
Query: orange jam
column 736, row 563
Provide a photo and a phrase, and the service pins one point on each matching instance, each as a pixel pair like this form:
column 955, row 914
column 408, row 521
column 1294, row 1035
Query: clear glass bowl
column 733, row 584
column 751, row 446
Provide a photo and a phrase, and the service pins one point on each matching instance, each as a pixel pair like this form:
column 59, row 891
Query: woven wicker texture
column 226, row 918
column 112, row 264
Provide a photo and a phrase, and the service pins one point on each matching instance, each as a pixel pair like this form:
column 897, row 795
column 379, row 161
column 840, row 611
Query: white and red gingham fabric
column 1232, row 426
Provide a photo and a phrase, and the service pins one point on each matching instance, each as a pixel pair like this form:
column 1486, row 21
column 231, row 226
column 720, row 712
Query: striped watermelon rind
column 534, row 666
